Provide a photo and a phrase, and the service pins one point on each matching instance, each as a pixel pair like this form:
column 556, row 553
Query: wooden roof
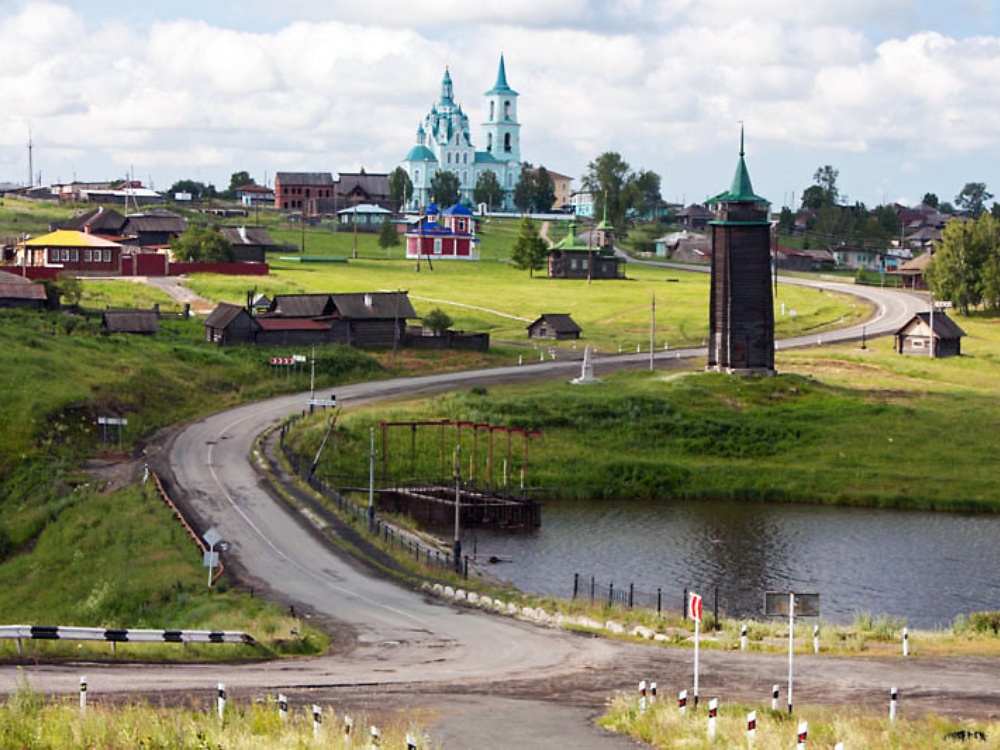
column 944, row 327
column 559, row 322
column 225, row 314
column 131, row 321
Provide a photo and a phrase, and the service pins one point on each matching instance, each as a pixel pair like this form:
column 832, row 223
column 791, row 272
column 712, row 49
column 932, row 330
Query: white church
column 444, row 141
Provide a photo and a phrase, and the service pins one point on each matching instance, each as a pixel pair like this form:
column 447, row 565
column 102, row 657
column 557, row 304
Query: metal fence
column 631, row 597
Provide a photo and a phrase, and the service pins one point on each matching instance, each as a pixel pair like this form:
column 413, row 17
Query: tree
column 930, row 199
column 198, row 190
column 642, row 193
column 786, row 220
column 606, row 178
column 445, row 188
column 972, row 199
column 387, row 235
column 438, row 321
column 965, row 268
column 529, row 250
column 824, row 191
column 545, row 190
column 488, row 189
column 525, row 190
column 400, row 186
column 202, row 243
column 238, row 180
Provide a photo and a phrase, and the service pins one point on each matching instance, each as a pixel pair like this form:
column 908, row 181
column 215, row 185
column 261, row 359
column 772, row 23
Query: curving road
column 390, row 636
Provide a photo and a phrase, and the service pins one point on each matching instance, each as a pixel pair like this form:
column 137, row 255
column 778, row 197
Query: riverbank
column 838, row 425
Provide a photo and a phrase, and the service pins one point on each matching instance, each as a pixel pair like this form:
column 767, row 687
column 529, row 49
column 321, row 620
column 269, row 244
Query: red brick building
column 309, row 192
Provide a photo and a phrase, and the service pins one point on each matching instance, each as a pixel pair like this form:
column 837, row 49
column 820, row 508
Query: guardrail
column 22, row 633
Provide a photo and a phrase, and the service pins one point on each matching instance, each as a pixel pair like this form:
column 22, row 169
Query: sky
column 901, row 97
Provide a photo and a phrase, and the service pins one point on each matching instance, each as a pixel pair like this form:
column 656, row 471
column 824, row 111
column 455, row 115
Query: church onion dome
column 420, row 153
column 458, row 209
column 433, row 210
column 501, row 87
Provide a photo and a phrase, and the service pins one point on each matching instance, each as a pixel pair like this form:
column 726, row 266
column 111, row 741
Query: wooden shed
column 914, row 337
column 231, row 324
column 131, row 321
column 554, row 326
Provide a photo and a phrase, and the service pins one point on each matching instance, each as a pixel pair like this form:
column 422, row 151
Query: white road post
column 317, row 720
column 791, row 644
column 815, row 639
column 802, row 735
column 348, row 726
column 906, row 642
column 282, row 707
column 652, row 693
column 376, row 736
column 682, row 701
column 83, row 695
column 411, row 742
column 642, row 695
column 751, row 727
column 221, row 700
column 839, row 746
column 713, row 711
column 775, row 690
column 893, row 697
column 694, row 612
column 743, row 637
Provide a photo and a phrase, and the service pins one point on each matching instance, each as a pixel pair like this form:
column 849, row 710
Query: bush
column 985, row 622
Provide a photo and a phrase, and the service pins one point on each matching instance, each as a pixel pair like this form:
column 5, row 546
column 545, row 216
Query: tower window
column 506, row 142
column 506, row 110
column 489, row 141
column 491, row 111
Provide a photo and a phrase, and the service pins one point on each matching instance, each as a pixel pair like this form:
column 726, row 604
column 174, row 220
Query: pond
column 920, row 566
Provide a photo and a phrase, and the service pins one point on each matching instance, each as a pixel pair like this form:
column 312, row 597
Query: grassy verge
column 662, row 726
column 30, row 720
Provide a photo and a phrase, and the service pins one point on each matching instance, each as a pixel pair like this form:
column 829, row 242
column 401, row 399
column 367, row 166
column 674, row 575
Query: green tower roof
column 501, row 86
column 741, row 191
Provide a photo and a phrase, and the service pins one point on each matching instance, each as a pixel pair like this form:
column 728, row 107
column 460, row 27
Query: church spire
column 501, row 86
column 447, row 91
column 741, row 189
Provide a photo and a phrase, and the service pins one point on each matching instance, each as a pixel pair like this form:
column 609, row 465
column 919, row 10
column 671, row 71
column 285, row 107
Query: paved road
column 389, row 638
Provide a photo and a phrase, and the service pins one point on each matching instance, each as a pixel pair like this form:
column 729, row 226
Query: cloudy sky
column 901, row 96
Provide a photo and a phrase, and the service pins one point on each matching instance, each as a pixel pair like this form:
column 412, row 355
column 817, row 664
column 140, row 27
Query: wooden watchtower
column 741, row 311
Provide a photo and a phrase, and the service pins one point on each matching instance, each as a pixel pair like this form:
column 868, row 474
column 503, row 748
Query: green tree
column 606, row 178
column 956, row 272
column 238, row 180
column 529, row 251
column 438, row 321
column 488, row 190
column 198, row 190
column 202, row 243
column 823, row 191
column 930, row 199
column 642, row 193
column 786, row 220
column 545, row 190
column 972, row 199
column 526, row 189
column 400, row 186
column 387, row 235
column 445, row 188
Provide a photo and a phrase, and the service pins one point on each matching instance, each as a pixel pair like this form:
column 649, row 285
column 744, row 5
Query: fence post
column 659, row 600
column 576, row 584
column 631, row 594
column 611, row 594
column 684, row 607
column 716, row 607
column 592, row 589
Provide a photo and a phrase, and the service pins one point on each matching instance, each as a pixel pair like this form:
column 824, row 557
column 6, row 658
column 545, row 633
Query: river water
column 921, row 566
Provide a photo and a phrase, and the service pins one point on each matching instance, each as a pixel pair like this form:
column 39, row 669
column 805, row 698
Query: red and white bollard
column 743, row 638
column 282, row 707
column 751, row 726
column 642, row 695
column 893, row 697
column 221, row 700
column 682, row 701
column 652, row 693
column 317, row 720
column 906, row 642
column 83, row 695
column 815, row 639
column 802, row 735
column 713, row 712
column 775, row 689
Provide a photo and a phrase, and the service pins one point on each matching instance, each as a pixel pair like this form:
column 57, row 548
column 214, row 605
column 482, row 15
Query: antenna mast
column 31, row 161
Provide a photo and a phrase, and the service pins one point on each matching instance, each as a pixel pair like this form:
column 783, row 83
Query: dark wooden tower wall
column 741, row 311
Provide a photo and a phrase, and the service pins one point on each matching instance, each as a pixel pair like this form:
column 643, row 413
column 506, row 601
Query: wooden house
column 154, row 228
column 231, row 324
column 554, row 326
column 19, row 292
column 131, row 321
column 572, row 258
column 914, row 337
column 250, row 244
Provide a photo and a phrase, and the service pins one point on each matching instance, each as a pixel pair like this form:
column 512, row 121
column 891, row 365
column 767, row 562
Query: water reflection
column 925, row 567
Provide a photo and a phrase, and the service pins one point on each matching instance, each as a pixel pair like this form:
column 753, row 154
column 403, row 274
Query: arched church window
column 491, row 111
column 449, row 157
column 506, row 142
column 489, row 142
column 506, row 110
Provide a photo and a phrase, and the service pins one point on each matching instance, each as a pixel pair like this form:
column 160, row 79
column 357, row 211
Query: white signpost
column 777, row 603
column 694, row 612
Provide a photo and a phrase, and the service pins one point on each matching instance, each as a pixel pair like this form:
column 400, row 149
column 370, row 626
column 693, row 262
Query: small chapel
column 444, row 141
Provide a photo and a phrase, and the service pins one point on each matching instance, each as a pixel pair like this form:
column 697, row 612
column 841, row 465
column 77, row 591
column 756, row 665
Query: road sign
column 210, row 560
column 112, row 420
column 212, row 537
column 942, row 304
column 694, row 607
column 776, row 604
column 281, row 361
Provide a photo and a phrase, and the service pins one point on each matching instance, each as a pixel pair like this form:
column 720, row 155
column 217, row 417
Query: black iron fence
column 629, row 596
